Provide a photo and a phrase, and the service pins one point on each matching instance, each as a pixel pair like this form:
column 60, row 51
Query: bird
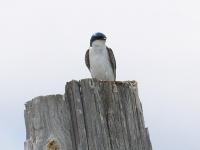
column 100, row 59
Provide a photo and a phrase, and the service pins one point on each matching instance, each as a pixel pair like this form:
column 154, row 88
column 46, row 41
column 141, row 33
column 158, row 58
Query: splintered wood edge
column 132, row 84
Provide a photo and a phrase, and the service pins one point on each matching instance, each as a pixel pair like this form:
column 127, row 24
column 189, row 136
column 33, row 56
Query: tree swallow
column 100, row 59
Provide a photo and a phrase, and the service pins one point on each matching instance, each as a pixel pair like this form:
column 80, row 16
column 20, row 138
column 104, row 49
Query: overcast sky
column 156, row 43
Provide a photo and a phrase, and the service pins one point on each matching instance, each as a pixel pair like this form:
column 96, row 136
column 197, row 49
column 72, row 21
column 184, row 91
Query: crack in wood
column 92, row 115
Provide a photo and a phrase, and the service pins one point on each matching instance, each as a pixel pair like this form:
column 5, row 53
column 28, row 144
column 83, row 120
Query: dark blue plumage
column 97, row 36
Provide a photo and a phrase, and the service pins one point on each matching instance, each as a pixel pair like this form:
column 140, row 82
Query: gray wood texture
column 92, row 115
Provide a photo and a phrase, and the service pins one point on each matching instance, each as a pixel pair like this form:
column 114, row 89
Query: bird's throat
column 98, row 43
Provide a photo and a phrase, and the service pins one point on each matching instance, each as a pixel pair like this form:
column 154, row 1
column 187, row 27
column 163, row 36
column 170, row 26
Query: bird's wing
column 112, row 60
column 87, row 60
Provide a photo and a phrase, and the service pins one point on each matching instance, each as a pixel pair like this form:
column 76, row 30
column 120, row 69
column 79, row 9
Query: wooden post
column 101, row 115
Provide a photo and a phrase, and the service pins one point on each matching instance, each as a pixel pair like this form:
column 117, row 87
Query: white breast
column 100, row 66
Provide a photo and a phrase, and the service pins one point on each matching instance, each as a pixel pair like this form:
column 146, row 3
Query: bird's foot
column 95, row 81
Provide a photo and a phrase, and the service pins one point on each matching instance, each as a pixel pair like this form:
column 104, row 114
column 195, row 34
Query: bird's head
column 97, row 36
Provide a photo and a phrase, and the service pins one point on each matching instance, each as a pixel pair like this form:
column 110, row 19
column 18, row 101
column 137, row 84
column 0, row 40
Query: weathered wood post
column 102, row 116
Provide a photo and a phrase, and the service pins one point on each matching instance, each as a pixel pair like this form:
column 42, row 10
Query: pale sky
column 156, row 43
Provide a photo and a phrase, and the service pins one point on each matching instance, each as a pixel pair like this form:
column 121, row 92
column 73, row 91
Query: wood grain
column 100, row 115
